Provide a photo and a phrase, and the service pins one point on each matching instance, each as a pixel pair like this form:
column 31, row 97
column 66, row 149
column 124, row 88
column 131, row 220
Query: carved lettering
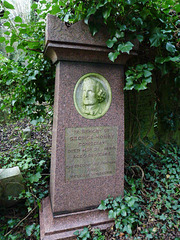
column 90, row 152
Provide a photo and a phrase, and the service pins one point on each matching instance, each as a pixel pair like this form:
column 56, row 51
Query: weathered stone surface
column 75, row 43
column 64, row 226
column 78, row 33
column 80, row 194
column 87, row 160
column 10, row 185
column 90, row 152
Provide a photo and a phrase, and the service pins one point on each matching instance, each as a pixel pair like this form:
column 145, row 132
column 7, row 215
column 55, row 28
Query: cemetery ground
column 150, row 208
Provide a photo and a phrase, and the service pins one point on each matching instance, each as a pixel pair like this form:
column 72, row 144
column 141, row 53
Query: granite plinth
column 63, row 226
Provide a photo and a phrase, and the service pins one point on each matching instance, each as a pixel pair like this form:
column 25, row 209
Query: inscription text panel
column 90, row 152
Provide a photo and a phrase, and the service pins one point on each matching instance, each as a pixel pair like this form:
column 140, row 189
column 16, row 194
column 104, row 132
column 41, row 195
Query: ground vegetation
column 150, row 207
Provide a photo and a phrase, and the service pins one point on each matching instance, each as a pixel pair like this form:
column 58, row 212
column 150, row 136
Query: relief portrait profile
column 92, row 96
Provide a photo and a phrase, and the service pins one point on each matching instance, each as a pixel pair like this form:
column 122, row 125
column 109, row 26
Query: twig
column 21, row 221
column 35, row 50
column 142, row 177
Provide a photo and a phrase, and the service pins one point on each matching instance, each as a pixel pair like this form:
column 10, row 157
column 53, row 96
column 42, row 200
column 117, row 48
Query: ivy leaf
column 132, row 28
column 61, row 3
column 33, row 45
column 107, row 13
column 150, row 66
column 123, row 213
column 20, row 46
column 118, row 225
column 35, row 177
column 149, row 236
column 9, row 49
column 91, row 11
column 127, row 228
column 22, row 30
column 8, row 5
column 18, row 19
column 55, row 10
column 148, row 80
column 111, row 42
column 162, row 217
column 121, row 27
column 2, row 39
column 102, row 206
column 100, row 5
column 140, row 38
column 7, row 24
column 142, row 86
column 175, row 59
column 13, row 39
column 7, row 33
column 34, row 122
column 86, row 20
column 131, row 202
column 111, row 214
column 177, row 8
column 29, row 229
column 93, row 29
column 76, row 233
column 170, row 47
column 125, row 47
column 112, row 56
column 85, row 233
column 24, row 25
column 34, row 6
column 129, row 87
column 147, row 73
column 119, row 34
column 162, row 60
column 156, row 37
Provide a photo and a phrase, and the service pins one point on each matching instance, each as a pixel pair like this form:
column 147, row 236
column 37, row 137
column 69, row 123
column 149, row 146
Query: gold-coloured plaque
column 92, row 96
column 90, row 152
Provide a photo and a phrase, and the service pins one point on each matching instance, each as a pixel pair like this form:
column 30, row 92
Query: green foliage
column 23, row 91
column 88, row 233
column 84, row 234
column 8, row 5
column 126, row 212
column 150, row 207
column 155, row 24
column 137, row 78
column 33, row 158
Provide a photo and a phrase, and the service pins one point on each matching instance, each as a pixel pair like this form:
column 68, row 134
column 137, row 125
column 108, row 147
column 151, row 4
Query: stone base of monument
column 63, row 226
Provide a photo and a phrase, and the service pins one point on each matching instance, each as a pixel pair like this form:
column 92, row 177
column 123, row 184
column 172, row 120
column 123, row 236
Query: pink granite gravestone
column 87, row 161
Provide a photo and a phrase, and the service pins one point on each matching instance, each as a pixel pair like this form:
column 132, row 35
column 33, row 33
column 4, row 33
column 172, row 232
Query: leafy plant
column 150, row 207
column 33, row 159
column 125, row 212
column 22, row 91
column 137, row 78
column 84, row 234
column 88, row 233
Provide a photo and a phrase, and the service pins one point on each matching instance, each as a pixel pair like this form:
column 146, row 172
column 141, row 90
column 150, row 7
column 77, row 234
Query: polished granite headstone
column 87, row 162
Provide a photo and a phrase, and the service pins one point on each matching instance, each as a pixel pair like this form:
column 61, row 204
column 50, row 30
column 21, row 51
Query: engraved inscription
column 90, row 152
